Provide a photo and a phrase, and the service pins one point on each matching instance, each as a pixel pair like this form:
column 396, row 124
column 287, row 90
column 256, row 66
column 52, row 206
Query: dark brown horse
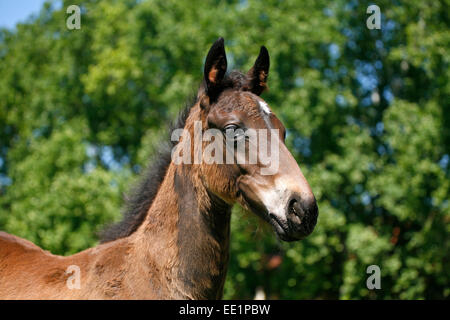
column 173, row 242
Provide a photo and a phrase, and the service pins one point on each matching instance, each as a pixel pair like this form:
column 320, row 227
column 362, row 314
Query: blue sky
column 13, row 11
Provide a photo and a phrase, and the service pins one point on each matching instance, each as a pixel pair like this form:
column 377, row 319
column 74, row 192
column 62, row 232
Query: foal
column 174, row 240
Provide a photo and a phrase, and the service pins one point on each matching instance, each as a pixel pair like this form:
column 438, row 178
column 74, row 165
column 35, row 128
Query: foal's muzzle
column 301, row 218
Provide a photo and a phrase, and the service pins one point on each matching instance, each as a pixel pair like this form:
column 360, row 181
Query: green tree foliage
column 367, row 113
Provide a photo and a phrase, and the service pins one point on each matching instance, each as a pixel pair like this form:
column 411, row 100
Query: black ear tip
column 218, row 47
column 220, row 43
column 264, row 51
column 263, row 60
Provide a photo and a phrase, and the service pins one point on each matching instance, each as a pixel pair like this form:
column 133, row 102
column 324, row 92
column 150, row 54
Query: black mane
column 140, row 197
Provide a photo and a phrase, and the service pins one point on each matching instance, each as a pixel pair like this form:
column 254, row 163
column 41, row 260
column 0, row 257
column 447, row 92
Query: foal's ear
column 259, row 72
column 215, row 67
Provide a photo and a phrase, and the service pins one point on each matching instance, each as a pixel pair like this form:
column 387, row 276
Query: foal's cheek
column 246, row 187
column 221, row 180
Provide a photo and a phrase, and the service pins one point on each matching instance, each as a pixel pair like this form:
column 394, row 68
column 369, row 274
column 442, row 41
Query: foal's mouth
column 282, row 230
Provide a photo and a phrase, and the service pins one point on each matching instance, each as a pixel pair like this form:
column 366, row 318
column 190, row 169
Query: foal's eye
column 231, row 127
column 233, row 131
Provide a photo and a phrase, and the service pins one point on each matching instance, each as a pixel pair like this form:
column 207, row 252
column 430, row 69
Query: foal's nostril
column 301, row 214
column 295, row 208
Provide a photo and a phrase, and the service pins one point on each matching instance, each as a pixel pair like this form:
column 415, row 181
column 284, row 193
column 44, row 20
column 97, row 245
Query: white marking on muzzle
column 275, row 200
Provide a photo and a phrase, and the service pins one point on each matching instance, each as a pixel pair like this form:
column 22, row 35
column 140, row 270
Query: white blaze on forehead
column 264, row 107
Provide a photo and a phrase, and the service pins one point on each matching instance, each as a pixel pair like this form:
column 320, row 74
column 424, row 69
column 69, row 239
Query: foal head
column 270, row 184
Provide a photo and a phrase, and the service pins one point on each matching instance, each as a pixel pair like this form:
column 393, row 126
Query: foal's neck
column 187, row 233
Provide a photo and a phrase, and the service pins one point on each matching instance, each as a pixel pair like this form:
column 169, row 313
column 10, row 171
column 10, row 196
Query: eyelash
column 236, row 127
column 231, row 127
